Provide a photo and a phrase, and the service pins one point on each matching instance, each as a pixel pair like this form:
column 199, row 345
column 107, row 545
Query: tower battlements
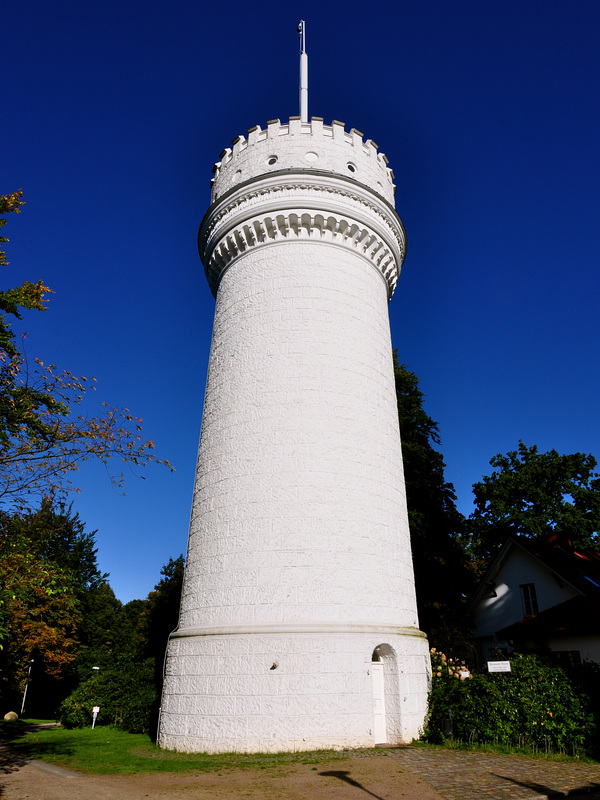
column 304, row 146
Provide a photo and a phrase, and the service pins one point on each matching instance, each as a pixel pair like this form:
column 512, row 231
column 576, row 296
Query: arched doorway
column 386, row 696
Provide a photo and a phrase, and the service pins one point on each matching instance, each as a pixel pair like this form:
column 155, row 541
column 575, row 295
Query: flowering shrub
column 442, row 666
column 535, row 703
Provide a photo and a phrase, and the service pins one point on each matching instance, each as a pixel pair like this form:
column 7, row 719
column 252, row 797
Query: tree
column 47, row 561
column 535, row 495
column 161, row 612
column 442, row 573
column 109, row 631
column 43, row 436
column 55, row 534
column 126, row 696
column 128, row 643
column 56, row 606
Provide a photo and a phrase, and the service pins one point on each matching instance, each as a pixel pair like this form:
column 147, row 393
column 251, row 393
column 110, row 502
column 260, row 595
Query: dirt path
column 380, row 777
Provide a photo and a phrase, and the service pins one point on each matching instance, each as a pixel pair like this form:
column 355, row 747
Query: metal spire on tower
column 303, row 72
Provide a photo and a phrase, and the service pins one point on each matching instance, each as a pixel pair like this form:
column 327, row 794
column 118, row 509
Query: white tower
column 298, row 625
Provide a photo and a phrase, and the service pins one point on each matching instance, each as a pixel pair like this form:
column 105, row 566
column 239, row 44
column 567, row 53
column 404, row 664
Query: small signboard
column 498, row 666
column 95, row 711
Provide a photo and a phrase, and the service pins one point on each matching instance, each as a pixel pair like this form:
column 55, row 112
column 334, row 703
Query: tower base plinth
column 294, row 687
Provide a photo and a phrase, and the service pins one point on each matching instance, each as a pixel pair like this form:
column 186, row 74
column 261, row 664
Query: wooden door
column 378, row 702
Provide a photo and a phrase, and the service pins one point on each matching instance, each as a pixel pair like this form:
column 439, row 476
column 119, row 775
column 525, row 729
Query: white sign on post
column 498, row 666
column 95, row 711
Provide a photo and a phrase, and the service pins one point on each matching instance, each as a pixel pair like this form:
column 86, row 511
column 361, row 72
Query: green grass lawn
column 106, row 750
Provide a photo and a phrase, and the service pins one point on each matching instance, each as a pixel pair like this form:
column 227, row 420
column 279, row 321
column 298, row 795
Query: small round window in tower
column 272, row 160
column 310, row 156
column 351, row 167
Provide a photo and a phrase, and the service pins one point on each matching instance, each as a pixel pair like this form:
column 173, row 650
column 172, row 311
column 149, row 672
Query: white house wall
column 494, row 613
column 587, row 646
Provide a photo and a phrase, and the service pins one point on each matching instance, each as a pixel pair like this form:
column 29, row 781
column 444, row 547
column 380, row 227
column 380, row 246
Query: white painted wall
column 296, row 145
column 494, row 613
column 299, row 511
column 587, row 646
column 222, row 695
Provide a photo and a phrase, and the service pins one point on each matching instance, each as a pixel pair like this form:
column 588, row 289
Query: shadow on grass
column 344, row 775
column 17, row 749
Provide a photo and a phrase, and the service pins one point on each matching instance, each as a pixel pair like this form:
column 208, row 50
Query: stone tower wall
column 299, row 562
column 300, row 469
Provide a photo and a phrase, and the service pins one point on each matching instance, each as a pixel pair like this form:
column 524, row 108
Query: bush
column 534, row 704
column 125, row 695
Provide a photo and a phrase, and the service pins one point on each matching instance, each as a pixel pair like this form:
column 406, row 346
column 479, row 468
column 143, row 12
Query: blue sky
column 114, row 113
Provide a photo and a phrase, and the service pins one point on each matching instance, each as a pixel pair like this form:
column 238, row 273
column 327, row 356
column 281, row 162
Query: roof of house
column 577, row 616
column 578, row 568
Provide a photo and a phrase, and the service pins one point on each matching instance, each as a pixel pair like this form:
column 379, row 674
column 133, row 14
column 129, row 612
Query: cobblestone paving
column 471, row 775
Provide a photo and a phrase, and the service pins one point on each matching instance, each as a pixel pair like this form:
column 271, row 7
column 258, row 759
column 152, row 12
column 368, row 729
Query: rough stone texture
column 270, row 692
column 299, row 562
column 300, row 467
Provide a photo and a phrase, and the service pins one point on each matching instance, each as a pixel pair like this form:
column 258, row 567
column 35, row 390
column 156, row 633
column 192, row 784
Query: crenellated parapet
column 267, row 190
column 310, row 146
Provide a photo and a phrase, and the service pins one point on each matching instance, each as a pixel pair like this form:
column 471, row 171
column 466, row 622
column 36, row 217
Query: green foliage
column 160, row 614
column 109, row 631
column 110, row 751
column 9, row 204
column 442, row 572
column 125, row 695
column 54, row 533
column 535, row 495
column 47, row 566
column 127, row 643
column 535, row 703
column 158, row 619
column 586, row 679
column 56, row 606
column 23, row 407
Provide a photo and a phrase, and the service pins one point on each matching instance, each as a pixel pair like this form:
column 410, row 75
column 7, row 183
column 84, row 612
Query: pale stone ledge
column 300, row 628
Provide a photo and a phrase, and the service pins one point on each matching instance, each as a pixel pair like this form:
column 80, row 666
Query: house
column 541, row 596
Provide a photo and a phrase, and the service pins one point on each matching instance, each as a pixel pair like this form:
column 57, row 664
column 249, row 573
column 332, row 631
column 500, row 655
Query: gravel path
column 411, row 773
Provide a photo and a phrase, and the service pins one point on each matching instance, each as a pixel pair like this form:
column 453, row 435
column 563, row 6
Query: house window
column 529, row 599
column 566, row 658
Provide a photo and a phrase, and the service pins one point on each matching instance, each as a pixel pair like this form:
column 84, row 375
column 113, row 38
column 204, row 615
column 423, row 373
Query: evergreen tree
column 128, row 644
column 161, row 613
column 442, row 571
column 109, row 631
